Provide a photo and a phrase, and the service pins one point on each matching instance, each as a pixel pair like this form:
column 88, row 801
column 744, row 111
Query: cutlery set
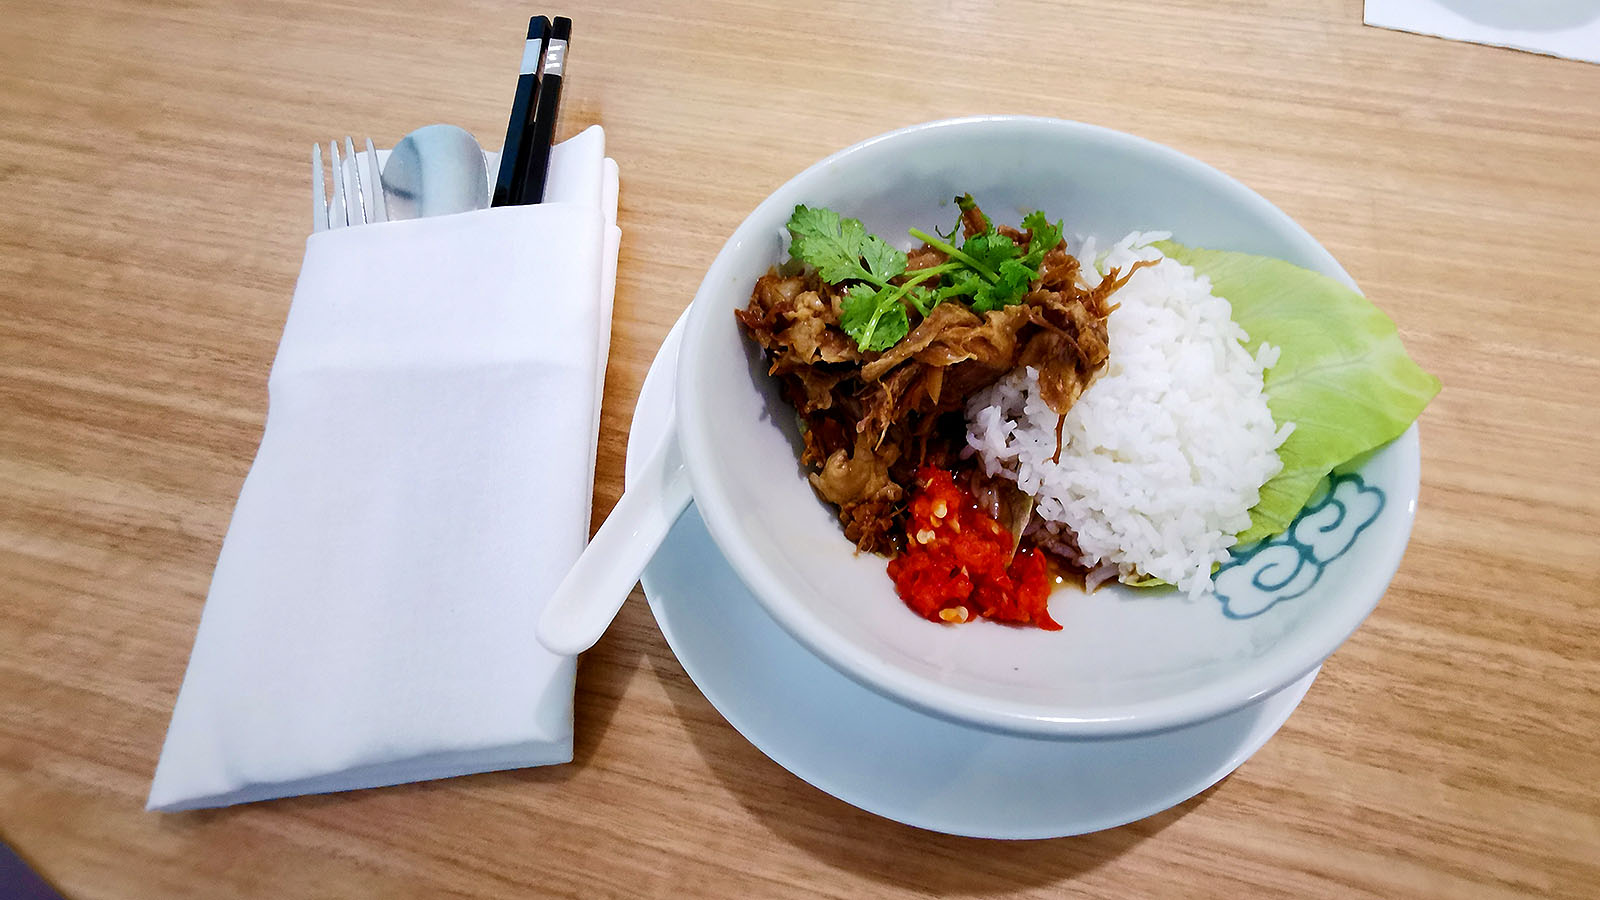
column 440, row 169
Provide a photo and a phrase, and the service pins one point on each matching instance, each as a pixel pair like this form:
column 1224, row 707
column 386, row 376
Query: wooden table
column 152, row 212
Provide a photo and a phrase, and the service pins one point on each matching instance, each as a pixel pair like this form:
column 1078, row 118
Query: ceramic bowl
column 1128, row 661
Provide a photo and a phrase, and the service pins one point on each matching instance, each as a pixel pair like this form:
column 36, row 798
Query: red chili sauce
column 958, row 564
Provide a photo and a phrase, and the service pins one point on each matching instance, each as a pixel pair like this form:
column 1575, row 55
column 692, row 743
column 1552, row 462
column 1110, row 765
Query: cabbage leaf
column 1343, row 379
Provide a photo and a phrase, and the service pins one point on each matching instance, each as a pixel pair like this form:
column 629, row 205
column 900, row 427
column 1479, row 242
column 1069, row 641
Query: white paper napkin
column 422, row 485
column 1569, row 28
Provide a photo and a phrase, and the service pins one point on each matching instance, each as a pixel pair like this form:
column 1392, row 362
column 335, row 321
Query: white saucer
column 887, row 758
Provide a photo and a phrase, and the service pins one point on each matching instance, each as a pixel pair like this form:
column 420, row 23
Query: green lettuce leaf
column 1343, row 378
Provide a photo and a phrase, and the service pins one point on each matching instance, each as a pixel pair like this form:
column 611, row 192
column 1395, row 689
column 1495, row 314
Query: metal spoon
column 435, row 171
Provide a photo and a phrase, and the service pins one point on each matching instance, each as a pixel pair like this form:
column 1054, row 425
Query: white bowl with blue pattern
column 1128, row 661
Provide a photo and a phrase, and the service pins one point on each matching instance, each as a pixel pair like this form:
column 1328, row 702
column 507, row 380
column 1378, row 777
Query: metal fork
column 357, row 195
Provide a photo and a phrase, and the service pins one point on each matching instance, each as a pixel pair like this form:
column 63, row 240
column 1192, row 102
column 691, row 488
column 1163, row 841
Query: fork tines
column 319, row 197
column 356, row 197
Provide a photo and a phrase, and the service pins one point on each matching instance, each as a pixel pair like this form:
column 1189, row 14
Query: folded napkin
column 423, row 483
column 1569, row 28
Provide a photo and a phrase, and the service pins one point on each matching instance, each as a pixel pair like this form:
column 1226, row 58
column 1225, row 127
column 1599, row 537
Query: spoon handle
column 594, row 589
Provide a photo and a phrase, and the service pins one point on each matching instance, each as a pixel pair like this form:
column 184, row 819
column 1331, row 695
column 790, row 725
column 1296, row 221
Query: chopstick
column 508, row 185
column 537, row 162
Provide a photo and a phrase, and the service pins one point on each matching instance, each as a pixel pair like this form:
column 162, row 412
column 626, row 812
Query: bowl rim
column 1295, row 654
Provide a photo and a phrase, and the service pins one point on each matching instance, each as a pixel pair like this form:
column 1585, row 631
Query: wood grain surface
column 153, row 163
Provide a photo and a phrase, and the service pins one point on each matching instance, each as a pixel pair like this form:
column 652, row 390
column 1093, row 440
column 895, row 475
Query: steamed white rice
column 1165, row 453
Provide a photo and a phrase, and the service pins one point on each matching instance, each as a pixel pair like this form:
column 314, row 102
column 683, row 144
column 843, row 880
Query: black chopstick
column 537, row 165
column 508, row 185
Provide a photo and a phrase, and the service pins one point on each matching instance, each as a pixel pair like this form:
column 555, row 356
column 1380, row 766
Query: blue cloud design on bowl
column 1288, row 565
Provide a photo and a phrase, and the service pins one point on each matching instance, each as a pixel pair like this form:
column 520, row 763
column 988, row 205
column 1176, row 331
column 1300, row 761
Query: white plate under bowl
column 886, row 757
column 1128, row 661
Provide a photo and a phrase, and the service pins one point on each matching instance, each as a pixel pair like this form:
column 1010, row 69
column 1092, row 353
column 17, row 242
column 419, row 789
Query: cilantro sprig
column 842, row 249
column 988, row 271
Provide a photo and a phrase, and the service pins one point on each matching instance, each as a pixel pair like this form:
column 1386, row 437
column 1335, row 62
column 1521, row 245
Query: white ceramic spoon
column 593, row 591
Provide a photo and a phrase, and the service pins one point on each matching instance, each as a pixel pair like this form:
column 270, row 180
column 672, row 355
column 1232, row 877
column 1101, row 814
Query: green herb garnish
column 988, row 271
column 874, row 318
column 842, row 249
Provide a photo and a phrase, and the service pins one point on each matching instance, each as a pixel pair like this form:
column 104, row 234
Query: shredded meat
column 973, row 221
column 857, row 481
column 942, row 324
column 872, row 419
column 923, row 257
